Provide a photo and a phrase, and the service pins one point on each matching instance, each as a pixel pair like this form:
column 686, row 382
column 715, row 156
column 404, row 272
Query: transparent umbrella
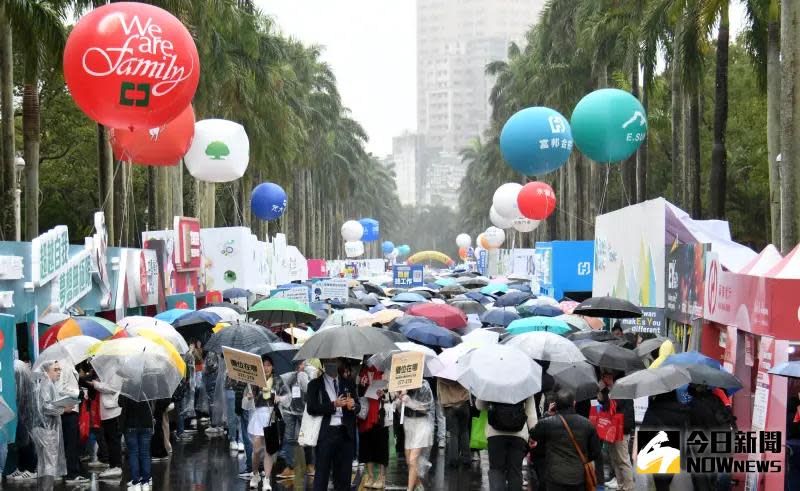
column 72, row 350
column 500, row 373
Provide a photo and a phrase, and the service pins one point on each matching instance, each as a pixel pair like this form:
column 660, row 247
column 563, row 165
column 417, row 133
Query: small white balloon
column 463, row 240
column 505, row 200
column 352, row 231
column 498, row 220
column 522, row 224
column 494, row 237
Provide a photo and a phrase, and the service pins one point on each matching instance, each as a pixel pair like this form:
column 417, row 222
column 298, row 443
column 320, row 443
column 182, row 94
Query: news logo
column 659, row 452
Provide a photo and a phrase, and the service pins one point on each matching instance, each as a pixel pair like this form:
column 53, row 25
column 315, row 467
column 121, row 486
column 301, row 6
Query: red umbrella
column 445, row 315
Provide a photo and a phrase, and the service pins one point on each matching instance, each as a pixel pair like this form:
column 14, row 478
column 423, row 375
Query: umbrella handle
column 402, row 411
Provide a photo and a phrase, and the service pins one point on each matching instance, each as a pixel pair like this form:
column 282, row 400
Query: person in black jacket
column 563, row 469
column 333, row 398
column 665, row 412
column 618, row 452
column 137, row 426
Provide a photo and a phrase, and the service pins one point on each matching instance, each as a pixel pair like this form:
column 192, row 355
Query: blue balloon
column 371, row 229
column 268, row 201
column 536, row 140
column 387, row 247
column 404, row 250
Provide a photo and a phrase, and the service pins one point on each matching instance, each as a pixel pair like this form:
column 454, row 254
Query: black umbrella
column 373, row 288
column 578, row 377
column 236, row 293
column 244, row 337
column 468, row 306
column 238, row 308
column 282, row 355
column 473, row 282
column 712, row 377
column 593, row 336
column 648, row 345
column 611, row 356
column 511, row 299
column 609, row 307
column 451, row 290
column 395, row 337
column 499, row 317
column 345, row 342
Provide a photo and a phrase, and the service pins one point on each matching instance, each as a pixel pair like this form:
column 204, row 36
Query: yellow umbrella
column 220, row 326
column 152, row 335
column 385, row 316
column 112, row 347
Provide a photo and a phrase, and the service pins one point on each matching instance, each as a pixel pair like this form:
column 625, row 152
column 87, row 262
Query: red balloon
column 131, row 65
column 536, row 200
column 165, row 145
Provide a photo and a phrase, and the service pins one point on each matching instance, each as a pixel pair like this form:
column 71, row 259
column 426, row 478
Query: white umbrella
column 226, row 314
column 500, row 373
column 300, row 335
column 546, row 346
column 169, row 333
column 541, row 301
column 345, row 317
column 480, row 337
column 143, row 321
column 449, row 357
column 71, row 350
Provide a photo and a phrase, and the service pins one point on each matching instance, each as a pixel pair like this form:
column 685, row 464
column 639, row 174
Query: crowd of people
column 359, row 418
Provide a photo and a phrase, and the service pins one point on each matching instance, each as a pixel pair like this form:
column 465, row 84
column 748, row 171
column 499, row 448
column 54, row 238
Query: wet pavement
column 208, row 464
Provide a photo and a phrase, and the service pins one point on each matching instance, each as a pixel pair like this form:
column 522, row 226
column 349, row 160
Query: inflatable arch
column 431, row 255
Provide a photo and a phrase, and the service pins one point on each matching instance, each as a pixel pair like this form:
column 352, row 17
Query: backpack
column 507, row 417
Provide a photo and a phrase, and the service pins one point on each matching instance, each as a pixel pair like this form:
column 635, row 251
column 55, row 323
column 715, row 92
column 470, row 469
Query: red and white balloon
column 536, row 200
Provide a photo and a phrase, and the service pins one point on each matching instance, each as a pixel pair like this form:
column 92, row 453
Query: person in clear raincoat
column 46, row 433
column 210, row 368
column 418, row 416
column 26, row 409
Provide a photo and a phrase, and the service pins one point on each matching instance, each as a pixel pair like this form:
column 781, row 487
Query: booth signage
column 187, row 235
column 333, row 289
column 74, row 282
column 244, row 367
column 685, row 274
column 407, row 276
column 299, row 294
column 11, row 268
column 49, row 253
column 652, row 321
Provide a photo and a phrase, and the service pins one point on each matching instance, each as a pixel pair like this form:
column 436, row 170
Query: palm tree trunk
column 629, row 166
column 719, row 160
column 692, row 158
column 105, row 168
column 572, row 197
column 8, row 227
column 163, row 198
column 790, row 122
column 120, row 182
column 31, row 135
column 151, row 198
column 677, row 116
column 774, row 119
column 176, row 183
column 641, row 157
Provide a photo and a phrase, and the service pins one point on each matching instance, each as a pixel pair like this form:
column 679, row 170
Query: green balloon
column 608, row 125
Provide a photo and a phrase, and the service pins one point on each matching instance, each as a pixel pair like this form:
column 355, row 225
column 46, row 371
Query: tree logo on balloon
column 217, row 150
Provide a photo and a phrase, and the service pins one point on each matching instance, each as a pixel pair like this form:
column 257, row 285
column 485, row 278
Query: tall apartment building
column 456, row 39
column 409, row 157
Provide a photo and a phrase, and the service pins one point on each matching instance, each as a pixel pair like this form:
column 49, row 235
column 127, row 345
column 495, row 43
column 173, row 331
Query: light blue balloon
column 387, row 247
column 371, row 229
column 404, row 250
column 609, row 125
column 536, row 141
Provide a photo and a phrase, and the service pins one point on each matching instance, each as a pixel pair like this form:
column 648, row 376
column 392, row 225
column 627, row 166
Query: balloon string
column 605, row 189
column 622, row 186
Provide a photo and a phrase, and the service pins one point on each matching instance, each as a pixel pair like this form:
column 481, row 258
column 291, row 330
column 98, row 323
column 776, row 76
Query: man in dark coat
column 618, row 452
column 665, row 412
column 334, row 398
column 563, row 470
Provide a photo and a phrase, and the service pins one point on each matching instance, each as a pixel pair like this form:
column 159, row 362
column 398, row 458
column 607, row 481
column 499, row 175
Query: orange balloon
column 162, row 146
column 462, row 253
column 483, row 242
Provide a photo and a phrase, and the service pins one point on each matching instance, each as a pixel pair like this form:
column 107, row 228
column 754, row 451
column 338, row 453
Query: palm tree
column 790, row 122
column 7, row 226
column 718, row 176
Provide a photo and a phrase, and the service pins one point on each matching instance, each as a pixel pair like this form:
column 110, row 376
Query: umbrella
column 243, row 337
column 236, row 293
column 538, row 310
column 575, row 321
column 648, row 345
column 500, row 373
column 499, row 317
column 376, row 308
column 568, row 306
column 479, row 297
column 197, row 318
column 610, row 356
column 646, row 383
column 238, row 308
column 577, row 377
column 610, row 307
column 147, row 369
column 444, row 315
column 600, row 336
column 169, row 333
column 346, row 317
column 171, row 315
column 282, row 355
column 450, row 369
column 386, row 316
column 346, row 341
column 493, row 288
column 445, row 282
column 373, row 288
column 282, row 311
column 529, row 324
column 370, row 300
column 712, row 377
column 480, row 337
column 393, row 336
column 423, row 289
column 451, row 290
column 225, row 314
column 299, row 335
column 692, row 358
column 470, row 282
column 543, row 301
column 511, row 299
column 546, row 346
column 409, row 298
column 383, row 361
column 143, row 321
column 71, row 350
column 468, row 306
column 95, row 327
column 787, row 369
column 430, row 334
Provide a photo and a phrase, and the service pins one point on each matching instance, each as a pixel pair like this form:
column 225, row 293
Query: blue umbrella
column 237, row 293
column 196, row 317
column 523, row 287
column 531, row 324
column 172, row 315
column 478, row 297
column 376, row 308
column 409, row 297
column 511, row 299
column 434, row 286
column 539, row 311
column 691, row 358
column 498, row 317
column 430, row 334
column 493, row 288
column 446, row 282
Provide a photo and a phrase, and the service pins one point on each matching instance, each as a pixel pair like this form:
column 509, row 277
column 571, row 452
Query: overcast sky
column 371, row 45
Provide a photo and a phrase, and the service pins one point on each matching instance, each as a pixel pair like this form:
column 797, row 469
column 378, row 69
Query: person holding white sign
column 262, row 420
column 418, row 414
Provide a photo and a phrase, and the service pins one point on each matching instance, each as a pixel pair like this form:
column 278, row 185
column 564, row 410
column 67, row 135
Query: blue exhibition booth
column 564, row 268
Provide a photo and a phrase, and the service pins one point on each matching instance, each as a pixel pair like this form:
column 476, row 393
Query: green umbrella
column 282, row 311
column 531, row 324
